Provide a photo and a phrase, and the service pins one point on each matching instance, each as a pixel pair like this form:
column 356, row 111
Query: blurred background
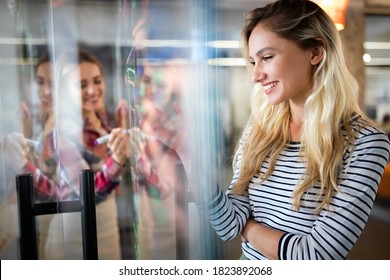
column 157, row 54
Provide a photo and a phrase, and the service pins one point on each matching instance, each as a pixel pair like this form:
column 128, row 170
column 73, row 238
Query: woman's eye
column 252, row 63
column 267, row 57
column 39, row 82
column 98, row 81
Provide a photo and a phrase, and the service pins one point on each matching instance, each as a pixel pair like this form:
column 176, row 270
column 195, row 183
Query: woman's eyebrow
column 260, row 52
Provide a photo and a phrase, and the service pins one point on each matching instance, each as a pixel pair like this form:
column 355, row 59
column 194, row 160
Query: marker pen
column 32, row 143
column 104, row 139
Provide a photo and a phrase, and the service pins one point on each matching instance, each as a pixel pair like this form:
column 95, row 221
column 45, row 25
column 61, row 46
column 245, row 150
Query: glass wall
column 156, row 76
column 164, row 78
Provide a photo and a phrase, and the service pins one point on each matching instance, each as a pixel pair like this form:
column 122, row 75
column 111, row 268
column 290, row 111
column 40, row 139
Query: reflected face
column 43, row 79
column 155, row 85
column 152, row 116
column 160, row 87
column 280, row 66
column 88, row 81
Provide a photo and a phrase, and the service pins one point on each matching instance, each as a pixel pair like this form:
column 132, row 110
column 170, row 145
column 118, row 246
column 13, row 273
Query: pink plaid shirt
column 60, row 180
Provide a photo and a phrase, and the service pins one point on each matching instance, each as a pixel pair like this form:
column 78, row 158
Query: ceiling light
column 336, row 10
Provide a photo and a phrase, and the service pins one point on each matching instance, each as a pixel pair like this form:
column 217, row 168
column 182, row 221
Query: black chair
column 27, row 210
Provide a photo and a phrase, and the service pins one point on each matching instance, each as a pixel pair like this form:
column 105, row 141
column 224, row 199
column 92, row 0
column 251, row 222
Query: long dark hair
column 69, row 113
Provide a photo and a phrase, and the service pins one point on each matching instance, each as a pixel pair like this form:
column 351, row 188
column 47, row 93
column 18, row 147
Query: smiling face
column 283, row 68
column 88, row 81
column 43, row 79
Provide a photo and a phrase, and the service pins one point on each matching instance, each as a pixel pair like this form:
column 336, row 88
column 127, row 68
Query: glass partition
column 25, row 93
column 152, row 96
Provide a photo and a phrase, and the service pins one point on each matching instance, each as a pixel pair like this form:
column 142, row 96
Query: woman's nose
column 258, row 74
column 90, row 89
column 46, row 89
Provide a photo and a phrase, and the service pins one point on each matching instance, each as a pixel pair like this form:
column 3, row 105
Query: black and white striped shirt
column 329, row 234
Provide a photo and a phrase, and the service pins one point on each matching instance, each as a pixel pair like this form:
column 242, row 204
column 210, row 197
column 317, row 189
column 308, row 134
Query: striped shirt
column 329, row 234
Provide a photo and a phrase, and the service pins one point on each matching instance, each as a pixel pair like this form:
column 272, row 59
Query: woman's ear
column 317, row 53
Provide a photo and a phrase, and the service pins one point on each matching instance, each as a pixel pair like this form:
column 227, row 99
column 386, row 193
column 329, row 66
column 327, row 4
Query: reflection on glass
column 38, row 126
column 160, row 185
column 152, row 78
column 82, row 119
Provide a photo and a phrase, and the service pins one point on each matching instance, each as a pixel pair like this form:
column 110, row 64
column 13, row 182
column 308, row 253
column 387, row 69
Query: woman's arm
column 69, row 160
column 337, row 229
column 228, row 213
column 264, row 239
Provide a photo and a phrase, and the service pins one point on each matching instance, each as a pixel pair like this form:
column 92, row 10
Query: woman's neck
column 296, row 122
column 295, row 131
column 93, row 120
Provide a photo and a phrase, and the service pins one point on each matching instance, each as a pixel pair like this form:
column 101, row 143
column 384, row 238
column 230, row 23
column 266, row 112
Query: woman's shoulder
column 367, row 131
column 364, row 126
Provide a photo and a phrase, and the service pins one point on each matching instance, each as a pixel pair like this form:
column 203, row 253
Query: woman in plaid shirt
column 81, row 120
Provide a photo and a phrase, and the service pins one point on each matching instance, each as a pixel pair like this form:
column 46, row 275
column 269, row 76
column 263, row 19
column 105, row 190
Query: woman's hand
column 26, row 120
column 122, row 115
column 119, row 144
column 16, row 151
column 263, row 238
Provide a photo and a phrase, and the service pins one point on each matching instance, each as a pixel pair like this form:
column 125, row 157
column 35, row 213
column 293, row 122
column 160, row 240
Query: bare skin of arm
column 263, row 238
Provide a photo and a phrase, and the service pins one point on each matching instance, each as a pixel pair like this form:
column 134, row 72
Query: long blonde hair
column 328, row 108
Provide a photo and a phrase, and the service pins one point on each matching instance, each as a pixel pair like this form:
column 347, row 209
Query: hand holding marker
column 32, row 143
column 104, row 139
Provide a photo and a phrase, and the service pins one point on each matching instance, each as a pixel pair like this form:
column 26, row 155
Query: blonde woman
column 309, row 161
column 80, row 120
column 44, row 83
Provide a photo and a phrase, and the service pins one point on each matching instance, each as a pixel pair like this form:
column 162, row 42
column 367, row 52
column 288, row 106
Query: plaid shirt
column 60, row 181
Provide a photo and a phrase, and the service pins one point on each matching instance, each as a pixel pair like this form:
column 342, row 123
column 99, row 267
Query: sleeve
column 108, row 177
column 45, row 188
column 66, row 184
column 227, row 212
column 337, row 229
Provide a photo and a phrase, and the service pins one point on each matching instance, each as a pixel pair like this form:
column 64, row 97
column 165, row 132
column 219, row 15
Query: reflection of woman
column 308, row 164
column 160, row 187
column 43, row 80
column 81, row 120
column 44, row 83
